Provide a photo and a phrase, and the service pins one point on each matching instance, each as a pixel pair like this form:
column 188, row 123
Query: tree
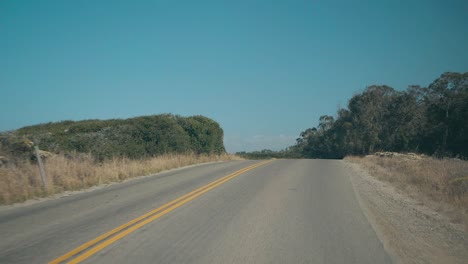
column 430, row 120
column 447, row 112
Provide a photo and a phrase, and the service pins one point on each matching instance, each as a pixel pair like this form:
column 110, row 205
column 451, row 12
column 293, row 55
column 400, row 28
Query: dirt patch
column 411, row 231
column 440, row 184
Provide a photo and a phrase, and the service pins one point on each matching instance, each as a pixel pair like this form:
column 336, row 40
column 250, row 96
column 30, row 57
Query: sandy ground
column 410, row 231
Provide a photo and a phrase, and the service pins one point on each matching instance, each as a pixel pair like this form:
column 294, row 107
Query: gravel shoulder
column 410, row 231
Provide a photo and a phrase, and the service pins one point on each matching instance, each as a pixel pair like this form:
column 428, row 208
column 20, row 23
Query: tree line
column 269, row 154
column 432, row 120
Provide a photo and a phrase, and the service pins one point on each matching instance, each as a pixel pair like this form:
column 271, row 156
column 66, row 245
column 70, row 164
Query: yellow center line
column 138, row 222
column 118, row 229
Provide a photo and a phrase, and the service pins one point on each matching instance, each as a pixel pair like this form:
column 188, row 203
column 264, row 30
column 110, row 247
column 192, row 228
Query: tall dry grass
column 443, row 181
column 20, row 182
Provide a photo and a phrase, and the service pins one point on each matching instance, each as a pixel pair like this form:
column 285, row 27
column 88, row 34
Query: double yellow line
column 93, row 246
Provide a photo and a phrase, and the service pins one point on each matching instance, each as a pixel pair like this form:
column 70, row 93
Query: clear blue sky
column 265, row 70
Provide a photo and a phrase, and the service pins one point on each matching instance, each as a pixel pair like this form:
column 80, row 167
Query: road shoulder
column 410, row 231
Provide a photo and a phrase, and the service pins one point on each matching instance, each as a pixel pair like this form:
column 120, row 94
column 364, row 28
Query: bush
column 138, row 137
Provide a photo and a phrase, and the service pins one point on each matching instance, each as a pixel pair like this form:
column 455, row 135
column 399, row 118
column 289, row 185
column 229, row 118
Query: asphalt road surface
column 282, row 211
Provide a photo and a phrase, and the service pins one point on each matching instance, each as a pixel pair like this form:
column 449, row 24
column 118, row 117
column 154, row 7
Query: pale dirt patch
column 411, row 231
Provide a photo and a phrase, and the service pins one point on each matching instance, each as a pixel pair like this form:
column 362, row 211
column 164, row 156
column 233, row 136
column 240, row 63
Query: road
column 282, row 211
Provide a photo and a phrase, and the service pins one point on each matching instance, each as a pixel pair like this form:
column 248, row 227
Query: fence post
column 41, row 168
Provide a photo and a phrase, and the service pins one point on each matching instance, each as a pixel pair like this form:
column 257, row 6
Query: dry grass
column 437, row 182
column 22, row 181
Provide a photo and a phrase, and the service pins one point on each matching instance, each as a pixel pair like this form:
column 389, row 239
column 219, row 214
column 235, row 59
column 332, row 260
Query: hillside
column 138, row 137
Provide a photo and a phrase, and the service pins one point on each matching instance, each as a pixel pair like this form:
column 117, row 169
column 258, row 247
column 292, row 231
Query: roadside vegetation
column 429, row 120
column 21, row 181
column 268, row 154
column 138, row 137
column 86, row 153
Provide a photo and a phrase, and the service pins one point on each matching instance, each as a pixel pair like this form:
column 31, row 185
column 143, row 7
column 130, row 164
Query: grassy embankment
column 81, row 154
column 435, row 182
column 22, row 181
